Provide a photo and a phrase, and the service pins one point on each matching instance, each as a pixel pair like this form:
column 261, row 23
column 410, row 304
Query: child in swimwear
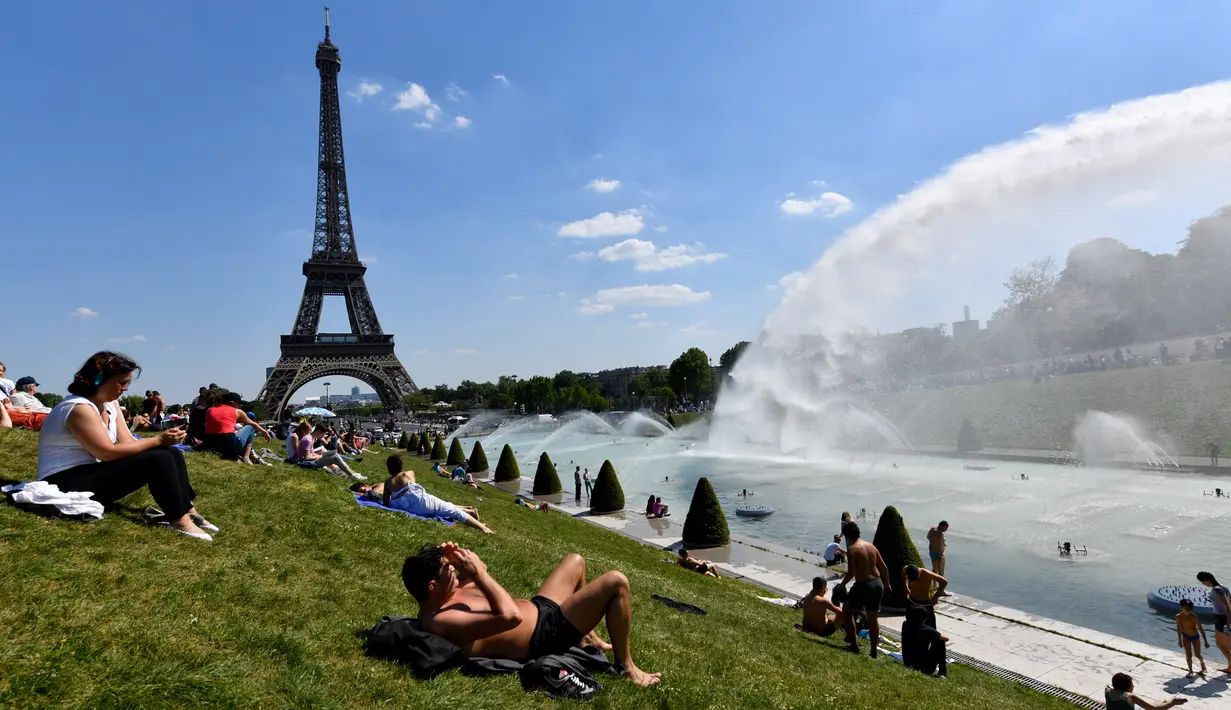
column 1187, row 628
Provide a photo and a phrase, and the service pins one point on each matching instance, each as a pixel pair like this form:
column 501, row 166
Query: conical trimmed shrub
column 412, row 444
column 478, row 459
column 898, row 550
column 425, row 445
column 438, row 450
column 457, row 455
column 403, row 441
column 608, row 496
column 967, row 439
column 546, row 480
column 507, row 468
column 706, row 524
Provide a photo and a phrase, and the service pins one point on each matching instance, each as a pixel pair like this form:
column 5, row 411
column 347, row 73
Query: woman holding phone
column 85, row 445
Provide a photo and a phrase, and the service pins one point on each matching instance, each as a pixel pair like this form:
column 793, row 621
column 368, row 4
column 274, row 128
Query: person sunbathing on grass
column 817, row 610
column 401, row 492
column 689, row 562
column 461, row 602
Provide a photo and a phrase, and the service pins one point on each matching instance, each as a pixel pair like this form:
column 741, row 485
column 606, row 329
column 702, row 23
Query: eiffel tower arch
column 366, row 352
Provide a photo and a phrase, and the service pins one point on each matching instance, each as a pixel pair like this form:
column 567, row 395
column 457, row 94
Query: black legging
column 162, row 469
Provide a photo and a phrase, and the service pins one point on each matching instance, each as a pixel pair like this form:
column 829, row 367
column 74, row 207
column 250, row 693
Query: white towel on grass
column 68, row 503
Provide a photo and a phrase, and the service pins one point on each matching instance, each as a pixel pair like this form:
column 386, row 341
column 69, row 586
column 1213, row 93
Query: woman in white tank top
column 85, row 445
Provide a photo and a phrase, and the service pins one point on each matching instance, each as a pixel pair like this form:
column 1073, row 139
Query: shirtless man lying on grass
column 459, row 601
column 401, row 492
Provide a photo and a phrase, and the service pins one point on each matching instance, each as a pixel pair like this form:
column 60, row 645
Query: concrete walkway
column 1069, row 657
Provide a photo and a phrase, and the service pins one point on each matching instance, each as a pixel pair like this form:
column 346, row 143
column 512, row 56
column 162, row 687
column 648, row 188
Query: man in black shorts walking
column 459, row 601
column 865, row 566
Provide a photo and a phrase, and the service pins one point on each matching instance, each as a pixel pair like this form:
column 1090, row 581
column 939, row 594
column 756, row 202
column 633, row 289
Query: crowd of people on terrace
column 1050, row 368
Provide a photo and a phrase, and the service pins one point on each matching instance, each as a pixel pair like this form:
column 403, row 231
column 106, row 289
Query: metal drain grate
column 1080, row 701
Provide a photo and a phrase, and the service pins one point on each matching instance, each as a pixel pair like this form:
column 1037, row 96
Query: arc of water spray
column 877, row 258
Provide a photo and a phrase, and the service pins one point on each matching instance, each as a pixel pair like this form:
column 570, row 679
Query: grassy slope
column 114, row 614
column 1185, row 404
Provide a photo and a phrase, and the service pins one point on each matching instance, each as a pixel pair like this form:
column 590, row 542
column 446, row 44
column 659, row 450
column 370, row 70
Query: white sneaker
column 199, row 536
column 358, row 476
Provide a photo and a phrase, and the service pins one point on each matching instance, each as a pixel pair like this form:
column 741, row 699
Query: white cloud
column 636, row 316
column 583, row 255
column 589, row 308
column 648, row 324
column 829, row 204
column 465, row 351
column 700, row 329
column 1136, row 198
column 367, row 259
column 454, row 93
column 788, row 283
column 605, row 224
column 606, row 300
column 517, row 298
column 509, row 276
column 129, row 339
column 84, row 312
column 415, row 98
column 603, row 185
column 462, row 122
column 501, row 78
column 650, row 258
column 366, row 89
column 661, row 228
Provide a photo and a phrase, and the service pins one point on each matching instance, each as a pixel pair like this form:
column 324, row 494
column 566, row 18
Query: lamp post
column 685, row 389
column 326, row 395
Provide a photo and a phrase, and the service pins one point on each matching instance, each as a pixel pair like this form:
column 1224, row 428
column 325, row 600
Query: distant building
column 354, row 392
column 615, row 382
column 965, row 329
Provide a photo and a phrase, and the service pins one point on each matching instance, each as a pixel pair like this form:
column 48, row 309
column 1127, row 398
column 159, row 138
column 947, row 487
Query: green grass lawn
column 114, row 614
column 1185, row 405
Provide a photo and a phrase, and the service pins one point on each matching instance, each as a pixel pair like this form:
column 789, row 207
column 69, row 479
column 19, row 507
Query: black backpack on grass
column 400, row 639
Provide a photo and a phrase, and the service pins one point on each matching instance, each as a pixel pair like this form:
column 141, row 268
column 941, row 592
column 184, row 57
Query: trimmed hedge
column 507, row 468
column 457, row 455
column 608, row 496
column 898, row 550
column 478, row 459
column 403, row 441
column 425, row 445
column 412, row 444
column 438, row 450
column 546, row 480
column 706, row 524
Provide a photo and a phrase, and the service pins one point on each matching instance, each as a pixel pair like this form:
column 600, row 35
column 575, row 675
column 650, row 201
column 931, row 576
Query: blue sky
column 159, row 164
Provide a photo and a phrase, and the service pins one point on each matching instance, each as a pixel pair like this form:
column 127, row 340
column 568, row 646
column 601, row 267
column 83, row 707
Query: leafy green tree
column 457, row 455
column 727, row 362
column 546, row 480
column 49, row 399
column 690, row 375
column 507, row 468
column 898, row 550
column 565, row 379
column 658, row 377
column 438, row 449
column 706, row 524
column 478, row 459
column 132, row 402
column 607, row 495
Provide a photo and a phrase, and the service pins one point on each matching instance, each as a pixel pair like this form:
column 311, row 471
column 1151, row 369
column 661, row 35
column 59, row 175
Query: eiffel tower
column 366, row 352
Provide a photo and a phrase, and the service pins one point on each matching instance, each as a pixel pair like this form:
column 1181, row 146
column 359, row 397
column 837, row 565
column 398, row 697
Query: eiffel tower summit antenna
column 334, row 270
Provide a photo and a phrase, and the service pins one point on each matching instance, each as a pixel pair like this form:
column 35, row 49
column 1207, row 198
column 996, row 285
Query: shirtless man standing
column 817, row 610
column 936, row 547
column 460, row 601
column 864, row 564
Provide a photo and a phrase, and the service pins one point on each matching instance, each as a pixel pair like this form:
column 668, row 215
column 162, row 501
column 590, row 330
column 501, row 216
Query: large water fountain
column 791, row 426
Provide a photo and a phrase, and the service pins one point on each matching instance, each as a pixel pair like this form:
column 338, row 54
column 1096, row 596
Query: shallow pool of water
column 1142, row 529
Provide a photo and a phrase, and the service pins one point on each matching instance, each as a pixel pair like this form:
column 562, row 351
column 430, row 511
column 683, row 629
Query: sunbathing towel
column 44, row 496
column 376, row 504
